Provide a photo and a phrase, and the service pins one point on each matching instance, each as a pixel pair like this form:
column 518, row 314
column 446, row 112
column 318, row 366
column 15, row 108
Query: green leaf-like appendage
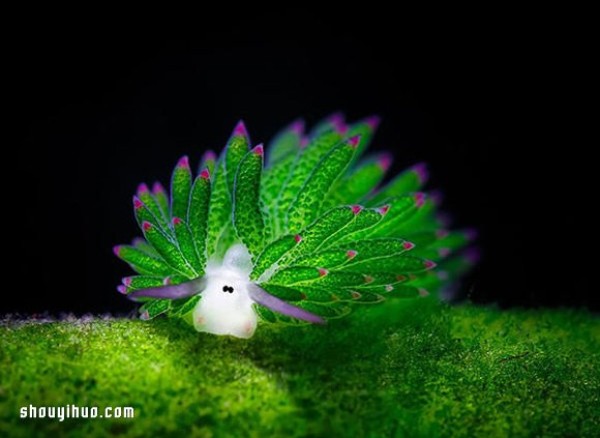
column 322, row 229
column 247, row 215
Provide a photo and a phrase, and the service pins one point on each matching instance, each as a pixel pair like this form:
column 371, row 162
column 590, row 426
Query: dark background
column 96, row 115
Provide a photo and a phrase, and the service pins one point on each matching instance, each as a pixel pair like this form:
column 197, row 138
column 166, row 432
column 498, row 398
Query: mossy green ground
column 400, row 369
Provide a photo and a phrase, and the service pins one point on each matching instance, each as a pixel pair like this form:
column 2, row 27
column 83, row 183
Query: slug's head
column 226, row 307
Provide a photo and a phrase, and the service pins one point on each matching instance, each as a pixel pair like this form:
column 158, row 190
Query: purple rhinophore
column 171, row 292
column 262, row 297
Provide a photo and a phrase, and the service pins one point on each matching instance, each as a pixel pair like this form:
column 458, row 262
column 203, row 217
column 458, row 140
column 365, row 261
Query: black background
column 96, row 115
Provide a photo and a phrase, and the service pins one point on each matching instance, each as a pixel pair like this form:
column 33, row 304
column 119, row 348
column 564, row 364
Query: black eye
column 228, row 289
column 225, row 288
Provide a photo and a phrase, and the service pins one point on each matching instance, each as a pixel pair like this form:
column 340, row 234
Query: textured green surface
column 141, row 261
column 359, row 183
column 181, row 185
column 305, row 162
column 187, row 245
column 219, row 213
column 247, row 214
column 429, row 371
column 168, row 249
column 197, row 215
column 273, row 253
column 307, row 204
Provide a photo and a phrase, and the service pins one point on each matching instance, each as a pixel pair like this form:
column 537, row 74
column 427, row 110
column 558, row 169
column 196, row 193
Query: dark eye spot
column 228, row 289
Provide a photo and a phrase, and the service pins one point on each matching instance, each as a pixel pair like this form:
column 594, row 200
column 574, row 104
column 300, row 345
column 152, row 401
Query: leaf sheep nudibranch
column 301, row 239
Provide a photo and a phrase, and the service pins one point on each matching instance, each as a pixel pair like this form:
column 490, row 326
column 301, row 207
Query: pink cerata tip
column 122, row 289
column 419, row 199
column 240, row 129
column 205, row 174
column 373, row 122
column 176, row 221
column 408, row 245
column 471, row 234
column 143, row 188
column 157, row 187
column 429, row 264
column 353, row 141
column 126, row 281
column 444, row 252
column 137, row 204
column 473, row 255
column 117, row 250
column 323, row 272
column 298, row 238
column 436, row 197
column 421, row 170
column 340, row 127
column 209, row 156
column 258, row 150
column 440, row 234
column 146, row 225
column 356, row 209
column 297, row 127
column 385, row 161
column 351, row 253
column 383, row 209
column 336, row 118
column 183, row 162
